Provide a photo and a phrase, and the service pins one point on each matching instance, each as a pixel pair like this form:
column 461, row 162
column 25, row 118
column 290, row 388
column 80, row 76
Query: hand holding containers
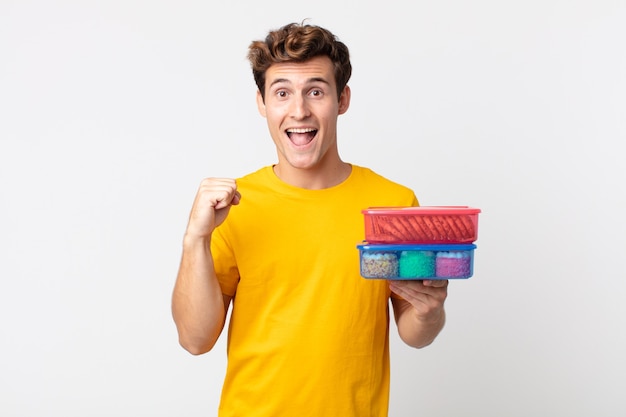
column 428, row 242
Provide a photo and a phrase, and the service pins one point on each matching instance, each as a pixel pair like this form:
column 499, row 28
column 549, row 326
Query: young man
column 308, row 335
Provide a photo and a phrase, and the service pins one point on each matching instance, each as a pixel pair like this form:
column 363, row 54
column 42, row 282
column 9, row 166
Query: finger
column 226, row 200
column 410, row 289
column 436, row 283
column 219, row 192
column 236, row 198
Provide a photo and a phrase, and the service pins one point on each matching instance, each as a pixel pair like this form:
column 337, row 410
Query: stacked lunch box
column 426, row 242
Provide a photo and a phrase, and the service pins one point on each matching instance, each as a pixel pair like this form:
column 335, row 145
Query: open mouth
column 302, row 136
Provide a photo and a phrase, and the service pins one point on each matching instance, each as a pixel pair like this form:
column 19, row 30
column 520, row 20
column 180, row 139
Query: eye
column 281, row 93
column 316, row 93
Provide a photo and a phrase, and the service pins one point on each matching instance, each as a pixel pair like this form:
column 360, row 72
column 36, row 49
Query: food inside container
column 402, row 261
column 424, row 224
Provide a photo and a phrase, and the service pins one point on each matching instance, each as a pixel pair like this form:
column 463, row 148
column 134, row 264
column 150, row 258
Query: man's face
column 301, row 107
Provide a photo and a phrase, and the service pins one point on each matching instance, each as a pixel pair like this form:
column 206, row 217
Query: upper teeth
column 300, row 130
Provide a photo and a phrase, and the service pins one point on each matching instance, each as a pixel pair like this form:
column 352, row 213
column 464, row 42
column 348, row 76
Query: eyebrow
column 310, row 80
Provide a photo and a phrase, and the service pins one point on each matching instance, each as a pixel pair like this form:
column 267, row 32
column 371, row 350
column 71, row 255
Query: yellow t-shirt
column 308, row 335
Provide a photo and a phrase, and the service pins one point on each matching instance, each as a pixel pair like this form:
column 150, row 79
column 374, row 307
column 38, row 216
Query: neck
column 316, row 178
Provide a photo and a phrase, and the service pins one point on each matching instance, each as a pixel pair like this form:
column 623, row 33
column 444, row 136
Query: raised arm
column 198, row 305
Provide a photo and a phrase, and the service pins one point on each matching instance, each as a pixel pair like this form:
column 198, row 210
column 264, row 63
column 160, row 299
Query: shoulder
column 260, row 178
column 366, row 174
column 384, row 188
column 255, row 175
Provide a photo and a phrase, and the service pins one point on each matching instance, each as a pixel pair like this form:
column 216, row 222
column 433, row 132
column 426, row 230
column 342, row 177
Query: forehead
column 315, row 69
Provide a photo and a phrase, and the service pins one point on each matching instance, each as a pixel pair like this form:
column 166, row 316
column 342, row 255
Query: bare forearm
column 418, row 331
column 198, row 305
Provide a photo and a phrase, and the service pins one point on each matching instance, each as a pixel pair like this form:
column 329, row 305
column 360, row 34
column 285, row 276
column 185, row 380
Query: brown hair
column 298, row 43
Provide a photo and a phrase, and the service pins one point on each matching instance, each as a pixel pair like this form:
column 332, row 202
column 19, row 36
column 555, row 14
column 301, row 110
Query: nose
column 299, row 107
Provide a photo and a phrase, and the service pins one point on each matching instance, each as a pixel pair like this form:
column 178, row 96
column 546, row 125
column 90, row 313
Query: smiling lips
column 300, row 137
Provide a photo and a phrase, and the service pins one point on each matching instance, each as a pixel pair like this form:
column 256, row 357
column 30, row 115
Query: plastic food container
column 390, row 261
column 424, row 224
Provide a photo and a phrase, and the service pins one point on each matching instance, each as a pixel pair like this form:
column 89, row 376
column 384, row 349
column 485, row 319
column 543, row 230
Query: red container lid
column 422, row 210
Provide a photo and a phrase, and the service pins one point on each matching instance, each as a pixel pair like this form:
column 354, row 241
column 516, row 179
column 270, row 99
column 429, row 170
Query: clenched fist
column 211, row 205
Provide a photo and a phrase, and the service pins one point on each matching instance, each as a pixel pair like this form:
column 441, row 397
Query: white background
column 111, row 112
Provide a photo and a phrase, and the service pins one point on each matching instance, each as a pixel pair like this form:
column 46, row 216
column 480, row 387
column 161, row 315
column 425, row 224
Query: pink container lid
column 422, row 210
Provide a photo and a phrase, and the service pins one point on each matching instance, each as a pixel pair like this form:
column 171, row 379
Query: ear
column 344, row 100
column 260, row 104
